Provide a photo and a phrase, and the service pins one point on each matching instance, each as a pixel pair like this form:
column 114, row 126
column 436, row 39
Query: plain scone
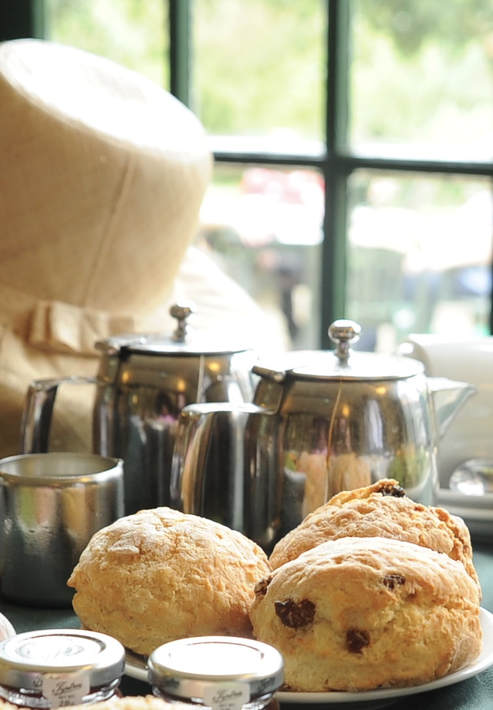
column 363, row 613
column 159, row 575
column 380, row 510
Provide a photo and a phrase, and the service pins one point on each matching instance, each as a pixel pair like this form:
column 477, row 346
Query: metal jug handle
column 38, row 411
column 448, row 397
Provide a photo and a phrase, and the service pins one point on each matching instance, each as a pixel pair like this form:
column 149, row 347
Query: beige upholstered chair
column 101, row 181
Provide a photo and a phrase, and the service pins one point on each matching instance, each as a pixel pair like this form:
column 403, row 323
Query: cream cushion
column 103, row 177
column 106, row 175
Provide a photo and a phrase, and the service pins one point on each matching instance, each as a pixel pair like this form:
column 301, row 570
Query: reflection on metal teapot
column 224, row 469
column 345, row 419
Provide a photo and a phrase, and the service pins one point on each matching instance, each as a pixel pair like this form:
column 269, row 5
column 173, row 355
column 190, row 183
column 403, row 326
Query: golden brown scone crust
column 363, row 613
column 160, row 574
column 129, row 702
column 379, row 510
column 4, row 705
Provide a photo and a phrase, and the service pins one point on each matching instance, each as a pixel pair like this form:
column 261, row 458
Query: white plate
column 136, row 668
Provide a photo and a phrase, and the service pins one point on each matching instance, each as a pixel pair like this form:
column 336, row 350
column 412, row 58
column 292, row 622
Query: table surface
column 473, row 694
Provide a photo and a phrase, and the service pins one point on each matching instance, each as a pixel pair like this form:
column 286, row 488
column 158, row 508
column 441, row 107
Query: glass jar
column 217, row 672
column 57, row 667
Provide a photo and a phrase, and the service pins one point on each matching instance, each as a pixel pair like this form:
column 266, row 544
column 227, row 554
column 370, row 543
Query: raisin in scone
column 160, row 575
column 362, row 613
column 380, row 510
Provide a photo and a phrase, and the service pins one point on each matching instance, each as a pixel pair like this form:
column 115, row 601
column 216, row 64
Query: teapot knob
column 344, row 333
column 181, row 312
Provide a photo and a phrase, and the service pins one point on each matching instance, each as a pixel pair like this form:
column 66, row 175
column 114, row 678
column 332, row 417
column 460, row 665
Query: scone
column 129, row 702
column 159, row 575
column 364, row 613
column 380, row 510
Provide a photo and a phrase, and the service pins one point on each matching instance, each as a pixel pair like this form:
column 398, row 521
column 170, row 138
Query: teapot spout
column 449, row 396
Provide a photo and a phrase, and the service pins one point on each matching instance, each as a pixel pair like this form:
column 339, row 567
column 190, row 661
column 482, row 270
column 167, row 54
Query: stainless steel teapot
column 347, row 418
column 143, row 383
column 323, row 422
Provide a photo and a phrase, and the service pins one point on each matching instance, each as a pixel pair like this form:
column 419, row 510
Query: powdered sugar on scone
column 160, row 574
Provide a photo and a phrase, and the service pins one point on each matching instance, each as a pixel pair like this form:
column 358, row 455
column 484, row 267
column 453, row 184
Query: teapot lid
column 179, row 343
column 343, row 363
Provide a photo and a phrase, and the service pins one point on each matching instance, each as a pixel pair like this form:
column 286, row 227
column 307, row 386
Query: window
column 353, row 142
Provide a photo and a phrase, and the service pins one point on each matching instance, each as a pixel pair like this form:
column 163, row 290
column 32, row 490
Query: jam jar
column 59, row 667
column 217, row 672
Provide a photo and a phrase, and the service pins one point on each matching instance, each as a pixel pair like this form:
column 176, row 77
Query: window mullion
column 491, row 282
column 334, row 244
column 21, row 18
column 180, row 43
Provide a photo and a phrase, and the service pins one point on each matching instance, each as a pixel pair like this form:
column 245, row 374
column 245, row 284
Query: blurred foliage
column 420, row 70
column 423, row 74
column 260, row 66
column 411, row 25
column 131, row 32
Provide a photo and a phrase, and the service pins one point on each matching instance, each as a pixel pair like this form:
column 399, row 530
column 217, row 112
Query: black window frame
column 25, row 18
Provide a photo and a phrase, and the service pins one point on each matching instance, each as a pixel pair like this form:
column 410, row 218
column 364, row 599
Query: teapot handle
column 38, row 411
column 448, row 396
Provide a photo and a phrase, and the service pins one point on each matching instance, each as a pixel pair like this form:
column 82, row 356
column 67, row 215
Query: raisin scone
column 380, row 510
column 159, row 575
column 363, row 613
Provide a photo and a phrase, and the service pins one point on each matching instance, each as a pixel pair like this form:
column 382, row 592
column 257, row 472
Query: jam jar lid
column 26, row 659
column 361, row 367
column 200, row 667
column 342, row 364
